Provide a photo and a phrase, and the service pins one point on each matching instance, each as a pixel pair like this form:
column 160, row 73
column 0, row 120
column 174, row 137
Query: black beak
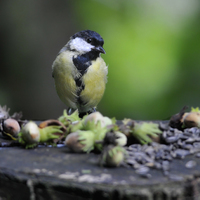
column 100, row 49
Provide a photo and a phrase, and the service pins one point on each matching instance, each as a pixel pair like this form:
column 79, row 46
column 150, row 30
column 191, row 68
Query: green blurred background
column 152, row 50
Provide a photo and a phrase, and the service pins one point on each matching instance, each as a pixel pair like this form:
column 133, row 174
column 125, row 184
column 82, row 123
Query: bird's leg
column 92, row 110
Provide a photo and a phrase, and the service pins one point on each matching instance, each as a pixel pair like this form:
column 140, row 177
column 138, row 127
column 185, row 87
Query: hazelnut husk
column 80, row 141
column 54, row 122
column 112, row 156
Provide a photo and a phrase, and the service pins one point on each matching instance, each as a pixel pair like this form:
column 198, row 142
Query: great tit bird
column 79, row 72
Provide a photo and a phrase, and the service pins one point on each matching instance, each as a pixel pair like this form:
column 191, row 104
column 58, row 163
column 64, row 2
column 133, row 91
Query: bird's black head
column 86, row 41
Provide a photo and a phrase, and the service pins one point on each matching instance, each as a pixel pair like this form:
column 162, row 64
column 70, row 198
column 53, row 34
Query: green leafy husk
column 116, row 149
column 87, row 139
column 142, row 131
column 195, row 109
column 126, row 126
column 75, row 126
column 95, row 124
column 28, row 138
column 97, row 130
column 113, row 156
column 50, row 133
column 68, row 119
column 97, row 117
column 99, row 126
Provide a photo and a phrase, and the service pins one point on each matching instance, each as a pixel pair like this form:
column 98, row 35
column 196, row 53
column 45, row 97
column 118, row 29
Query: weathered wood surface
column 55, row 173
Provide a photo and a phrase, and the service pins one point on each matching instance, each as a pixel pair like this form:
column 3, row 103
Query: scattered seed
column 190, row 140
column 198, row 155
column 176, row 144
column 145, row 175
column 190, row 164
column 175, row 177
column 165, row 165
column 142, row 170
column 181, row 153
column 171, row 139
column 166, row 173
column 187, row 146
column 196, row 144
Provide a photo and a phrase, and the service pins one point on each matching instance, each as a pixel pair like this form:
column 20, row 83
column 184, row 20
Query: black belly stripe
column 79, row 99
column 79, row 82
column 82, row 62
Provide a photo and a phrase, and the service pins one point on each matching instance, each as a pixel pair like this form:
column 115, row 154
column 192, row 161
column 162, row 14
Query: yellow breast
column 63, row 72
column 94, row 80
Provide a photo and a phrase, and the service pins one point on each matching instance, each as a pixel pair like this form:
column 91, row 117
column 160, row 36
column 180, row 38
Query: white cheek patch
column 80, row 45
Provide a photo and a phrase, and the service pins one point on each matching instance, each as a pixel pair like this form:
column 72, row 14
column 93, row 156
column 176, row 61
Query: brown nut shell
column 73, row 143
column 11, row 126
column 191, row 119
column 52, row 122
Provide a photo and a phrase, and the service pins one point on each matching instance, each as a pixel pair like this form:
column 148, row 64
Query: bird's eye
column 89, row 40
